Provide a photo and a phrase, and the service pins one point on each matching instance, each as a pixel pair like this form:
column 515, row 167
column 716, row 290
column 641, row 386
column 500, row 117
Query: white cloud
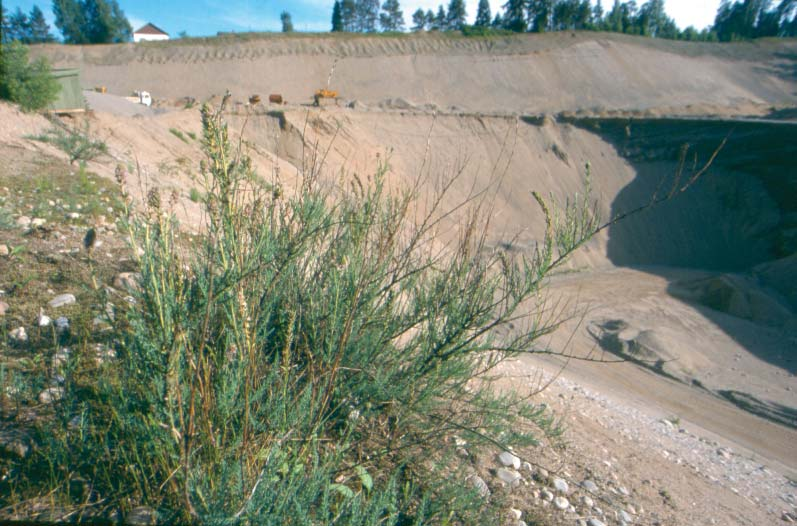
column 698, row 13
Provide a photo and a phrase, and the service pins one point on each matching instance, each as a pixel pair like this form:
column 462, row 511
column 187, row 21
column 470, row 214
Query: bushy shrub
column 77, row 144
column 29, row 84
column 308, row 362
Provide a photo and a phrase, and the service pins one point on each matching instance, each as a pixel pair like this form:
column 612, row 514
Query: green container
column 70, row 98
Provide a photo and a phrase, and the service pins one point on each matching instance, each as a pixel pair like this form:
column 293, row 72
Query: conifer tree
column 18, row 26
column 455, row 20
column 348, row 13
column 337, row 17
column 514, row 18
column 440, row 19
column 597, row 15
column 367, row 15
column 287, row 22
column 392, row 17
column 430, row 19
column 418, row 20
column 483, row 15
column 91, row 21
column 39, row 29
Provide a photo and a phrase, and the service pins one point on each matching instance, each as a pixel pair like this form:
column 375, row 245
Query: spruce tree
column 18, row 26
column 3, row 29
column 483, row 15
column 498, row 21
column 287, row 22
column 455, row 20
column 419, row 20
column 514, row 18
column 392, row 17
column 367, row 12
column 597, row 15
column 440, row 19
column 39, row 30
column 430, row 19
column 348, row 13
column 337, row 17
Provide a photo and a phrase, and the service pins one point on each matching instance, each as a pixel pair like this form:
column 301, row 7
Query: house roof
column 150, row 29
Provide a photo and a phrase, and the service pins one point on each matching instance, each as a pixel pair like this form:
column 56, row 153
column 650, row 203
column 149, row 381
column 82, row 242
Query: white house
column 150, row 32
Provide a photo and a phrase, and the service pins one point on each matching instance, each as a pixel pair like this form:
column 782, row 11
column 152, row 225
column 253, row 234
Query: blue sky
column 207, row 17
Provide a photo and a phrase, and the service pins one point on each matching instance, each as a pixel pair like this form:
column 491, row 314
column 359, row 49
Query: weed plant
column 310, row 361
column 77, row 144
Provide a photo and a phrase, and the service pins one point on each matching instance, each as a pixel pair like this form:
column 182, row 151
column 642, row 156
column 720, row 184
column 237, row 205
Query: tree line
column 103, row 21
column 735, row 19
column 79, row 21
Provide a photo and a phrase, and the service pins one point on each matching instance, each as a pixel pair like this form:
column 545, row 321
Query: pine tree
column 440, row 19
column 430, row 19
column 367, row 12
column 597, row 15
column 348, row 13
column 419, row 20
column 287, row 22
column 39, row 30
column 514, row 18
column 18, row 26
column 483, row 15
column 69, row 20
column 3, row 28
column 539, row 14
column 498, row 21
column 455, row 20
column 337, row 17
column 392, row 17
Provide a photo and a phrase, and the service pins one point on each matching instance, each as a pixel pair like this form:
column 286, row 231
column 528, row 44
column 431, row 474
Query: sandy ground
column 439, row 107
column 528, row 74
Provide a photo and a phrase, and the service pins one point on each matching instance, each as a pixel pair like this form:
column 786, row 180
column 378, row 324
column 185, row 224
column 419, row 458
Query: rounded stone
column 589, row 486
column 61, row 300
column 510, row 476
column 509, row 460
column 19, row 335
column 51, row 394
column 141, row 516
column 561, row 503
column 560, row 485
column 595, row 522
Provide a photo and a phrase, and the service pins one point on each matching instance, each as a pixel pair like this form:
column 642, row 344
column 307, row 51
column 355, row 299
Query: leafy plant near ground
column 77, row 144
column 29, row 84
column 309, row 362
column 177, row 133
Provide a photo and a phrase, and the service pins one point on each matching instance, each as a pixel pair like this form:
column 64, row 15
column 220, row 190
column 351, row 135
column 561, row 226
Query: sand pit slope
column 592, row 72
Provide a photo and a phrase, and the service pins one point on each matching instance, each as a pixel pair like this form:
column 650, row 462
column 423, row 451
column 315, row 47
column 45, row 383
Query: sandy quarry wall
column 526, row 73
column 738, row 214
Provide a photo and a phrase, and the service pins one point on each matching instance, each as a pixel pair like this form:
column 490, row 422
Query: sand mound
column 735, row 295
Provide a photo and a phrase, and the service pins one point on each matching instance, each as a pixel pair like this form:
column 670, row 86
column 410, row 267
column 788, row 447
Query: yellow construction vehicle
column 324, row 94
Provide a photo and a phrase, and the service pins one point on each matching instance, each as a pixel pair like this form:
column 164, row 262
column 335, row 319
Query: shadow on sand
column 737, row 218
